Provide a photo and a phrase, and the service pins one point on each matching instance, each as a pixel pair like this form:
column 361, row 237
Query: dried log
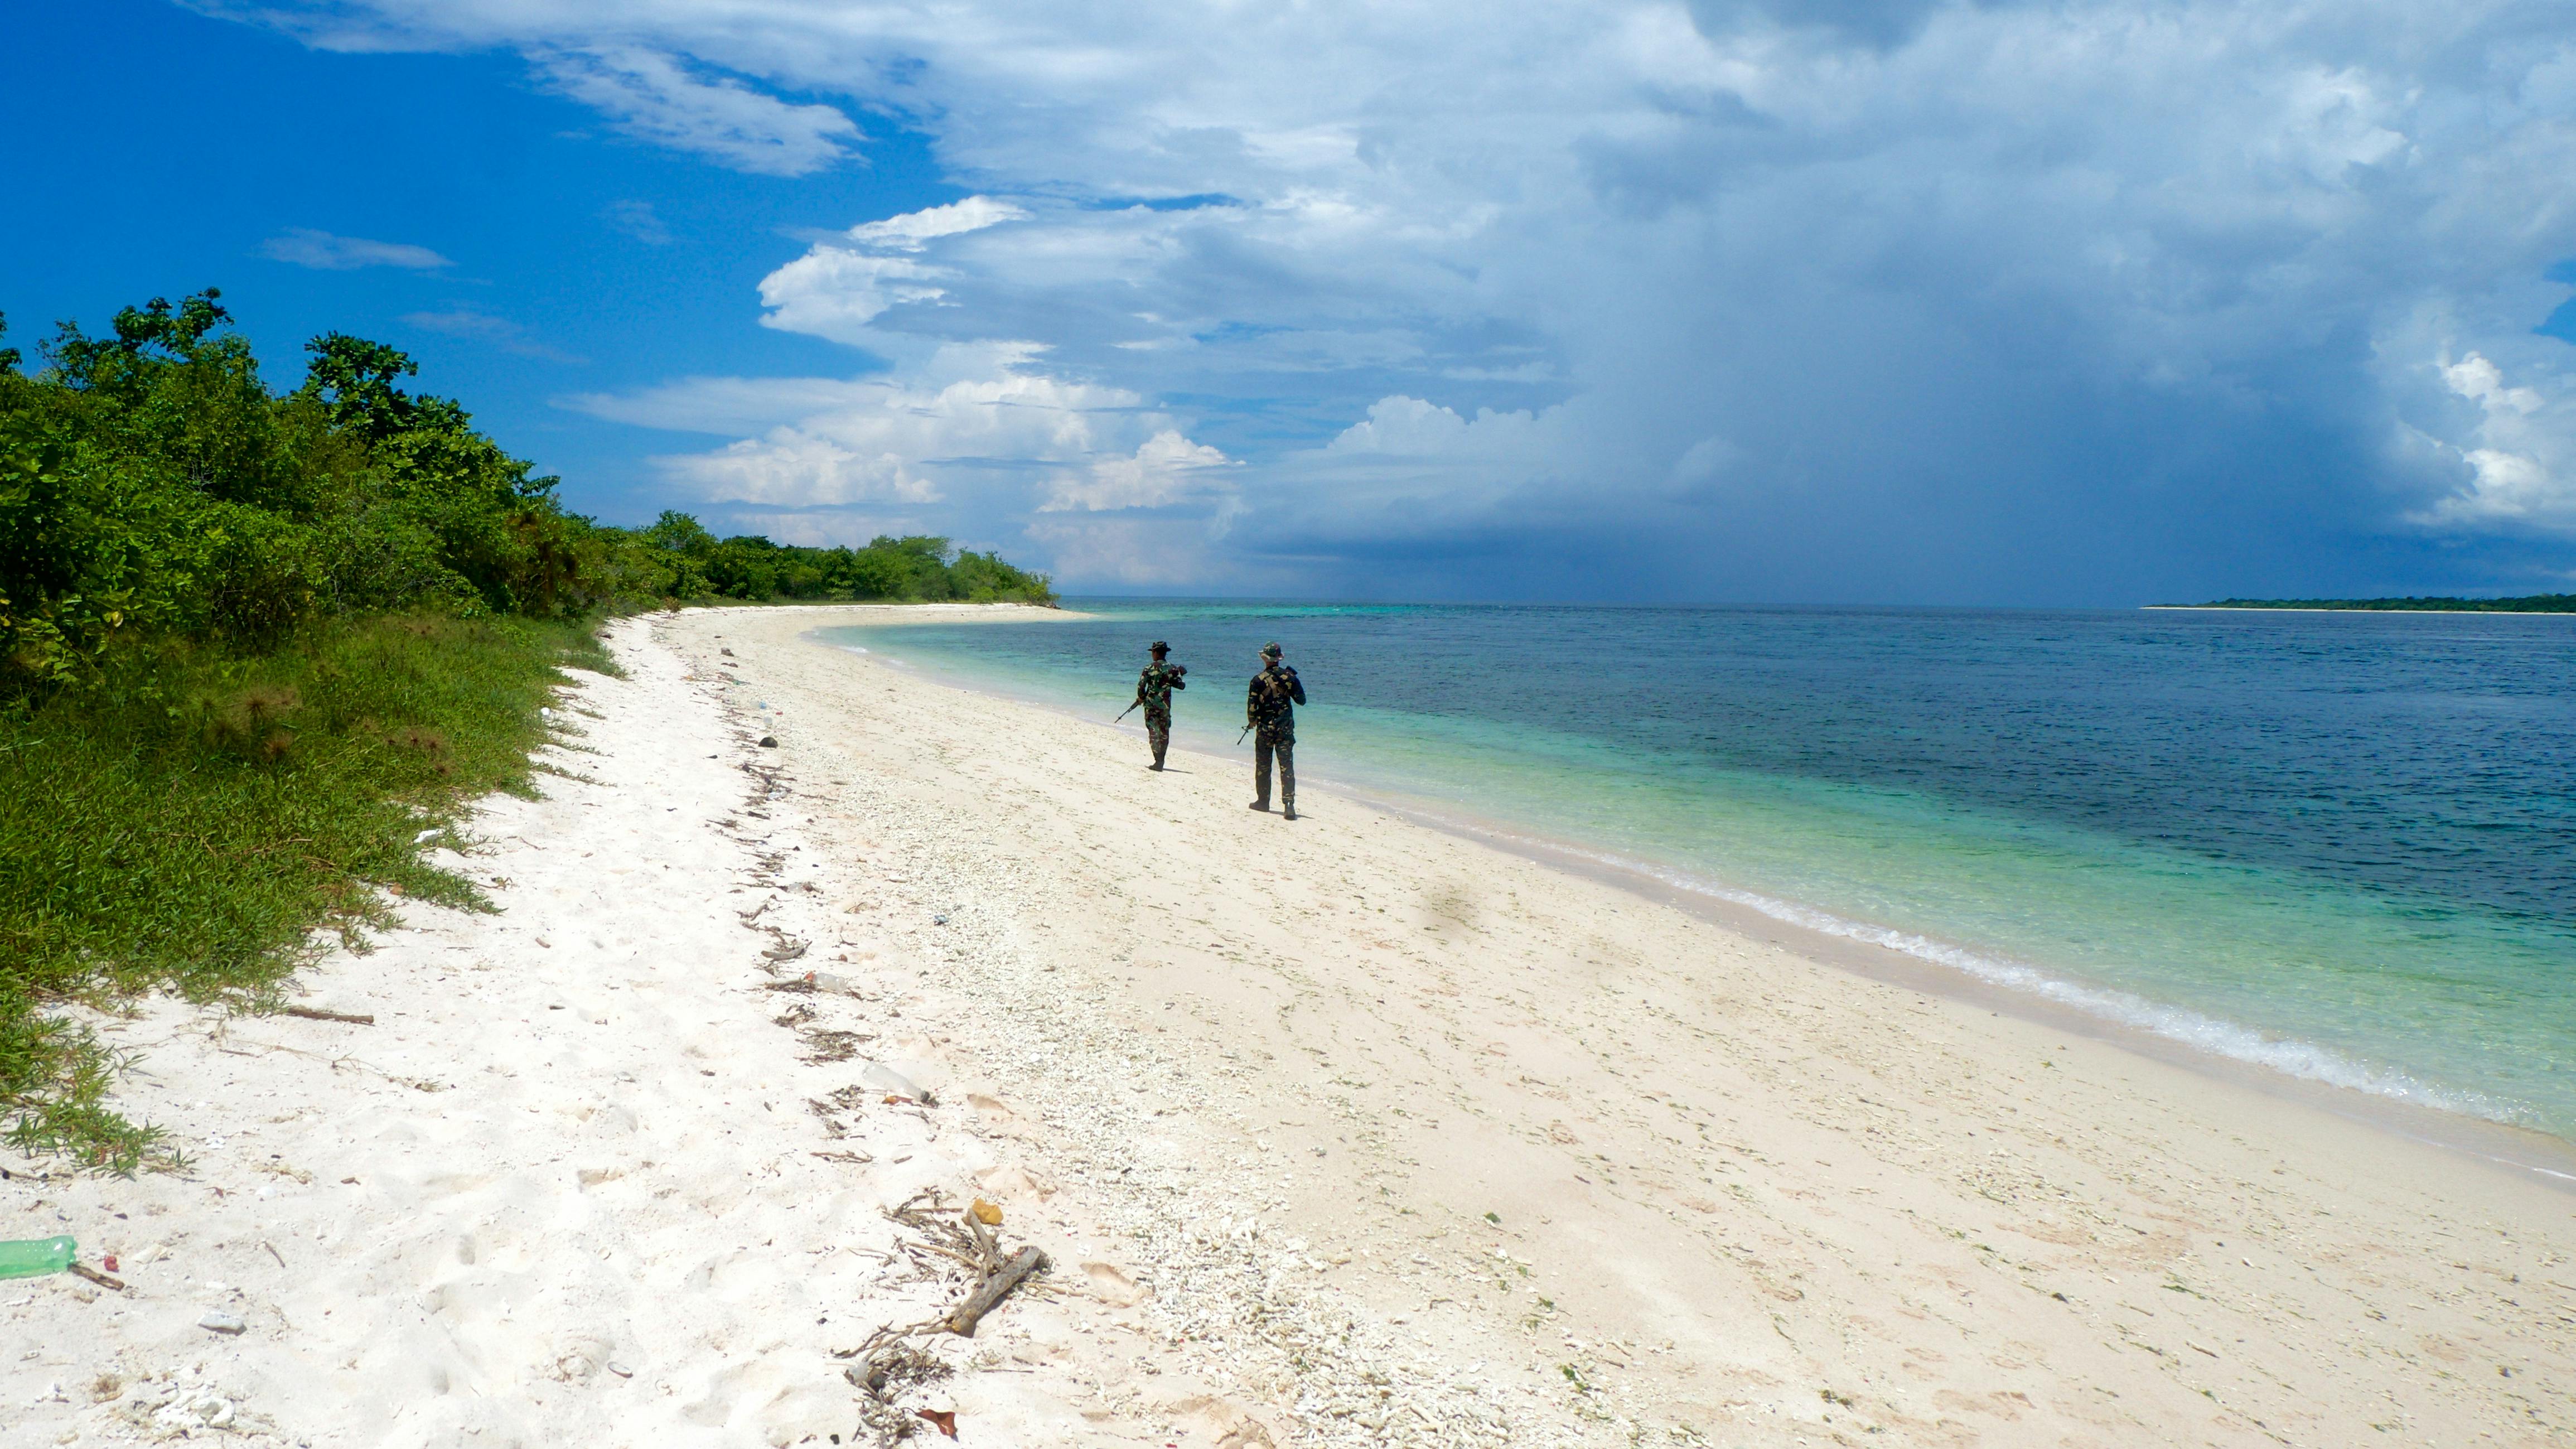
column 315, row 1013
column 993, row 1290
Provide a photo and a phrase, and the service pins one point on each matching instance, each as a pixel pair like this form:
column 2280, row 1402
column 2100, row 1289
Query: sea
column 2336, row 846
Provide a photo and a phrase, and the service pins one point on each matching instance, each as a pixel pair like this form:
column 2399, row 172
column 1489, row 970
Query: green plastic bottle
column 36, row 1257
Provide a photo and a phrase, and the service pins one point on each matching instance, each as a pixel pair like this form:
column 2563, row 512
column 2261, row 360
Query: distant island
column 2527, row 604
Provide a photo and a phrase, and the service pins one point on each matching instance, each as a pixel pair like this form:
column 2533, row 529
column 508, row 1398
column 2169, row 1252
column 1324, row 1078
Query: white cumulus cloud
column 801, row 467
column 982, row 421
column 911, row 229
column 2518, row 459
column 1165, row 469
column 1411, row 427
column 837, row 291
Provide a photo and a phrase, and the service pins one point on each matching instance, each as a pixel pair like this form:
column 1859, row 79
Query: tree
column 354, row 378
column 155, row 332
column 681, row 534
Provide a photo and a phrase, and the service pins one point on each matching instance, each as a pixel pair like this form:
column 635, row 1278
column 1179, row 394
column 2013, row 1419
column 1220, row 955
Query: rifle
column 1247, row 729
column 1177, row 671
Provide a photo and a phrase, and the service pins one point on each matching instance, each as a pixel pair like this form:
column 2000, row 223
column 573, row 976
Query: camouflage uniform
column 1269, row 708
column 1154, row 691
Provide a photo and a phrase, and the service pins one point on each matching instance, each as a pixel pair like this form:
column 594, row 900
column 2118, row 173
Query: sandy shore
column 1345, row 1131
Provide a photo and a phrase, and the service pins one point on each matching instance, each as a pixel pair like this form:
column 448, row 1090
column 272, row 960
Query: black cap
column 1159, row 647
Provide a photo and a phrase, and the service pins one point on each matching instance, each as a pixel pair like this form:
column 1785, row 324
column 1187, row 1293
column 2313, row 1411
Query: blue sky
column 2093, row 302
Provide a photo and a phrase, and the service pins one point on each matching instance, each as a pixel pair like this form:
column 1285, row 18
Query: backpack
column 1275, row 695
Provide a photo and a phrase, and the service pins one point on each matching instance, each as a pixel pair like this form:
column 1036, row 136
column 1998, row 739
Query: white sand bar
column 1338, row 1132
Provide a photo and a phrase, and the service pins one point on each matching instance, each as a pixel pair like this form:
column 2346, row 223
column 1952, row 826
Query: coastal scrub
column 187, row 822
column 257, row 646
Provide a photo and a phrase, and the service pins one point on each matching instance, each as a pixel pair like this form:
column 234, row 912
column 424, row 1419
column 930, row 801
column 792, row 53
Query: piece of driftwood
column 101, row 1279
column 993, row 1290
column 315, row 1013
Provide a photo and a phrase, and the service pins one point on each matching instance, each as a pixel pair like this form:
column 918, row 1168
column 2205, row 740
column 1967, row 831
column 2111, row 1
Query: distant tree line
column 2526, row 604
column 916, row 568
column 153, row 487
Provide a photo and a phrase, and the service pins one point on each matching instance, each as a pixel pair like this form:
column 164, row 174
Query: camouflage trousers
column 1158, row 733
column 1264, row 749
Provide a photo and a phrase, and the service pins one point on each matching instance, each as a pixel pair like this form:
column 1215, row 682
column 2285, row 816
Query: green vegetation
column 253, row 644
column 2527, row 604
column 692, row 563
column 184, row 820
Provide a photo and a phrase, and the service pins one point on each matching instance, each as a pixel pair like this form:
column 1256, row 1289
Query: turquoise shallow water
column 2341, row 846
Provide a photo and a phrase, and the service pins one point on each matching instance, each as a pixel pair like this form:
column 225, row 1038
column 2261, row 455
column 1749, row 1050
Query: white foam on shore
column 2284, row 1054
column 2216, row 1036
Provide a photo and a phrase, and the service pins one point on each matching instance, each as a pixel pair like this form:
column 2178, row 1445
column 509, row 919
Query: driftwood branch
column 993, row 1290
column 97, row 1277
column 315, row 1013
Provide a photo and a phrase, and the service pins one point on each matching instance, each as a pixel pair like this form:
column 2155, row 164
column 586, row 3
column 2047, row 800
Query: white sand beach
column 1344, row 1131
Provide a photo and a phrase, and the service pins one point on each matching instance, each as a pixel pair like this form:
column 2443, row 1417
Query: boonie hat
column 1269, row 651
column 1159, row 647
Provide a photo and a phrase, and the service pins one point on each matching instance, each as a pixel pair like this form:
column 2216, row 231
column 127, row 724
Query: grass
column 202, row 823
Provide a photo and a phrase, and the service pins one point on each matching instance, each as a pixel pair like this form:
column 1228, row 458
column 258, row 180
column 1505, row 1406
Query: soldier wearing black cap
column 1269, row 712
column 1154, row 691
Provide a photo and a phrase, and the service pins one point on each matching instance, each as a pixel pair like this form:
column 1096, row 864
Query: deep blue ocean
column 2339, row 845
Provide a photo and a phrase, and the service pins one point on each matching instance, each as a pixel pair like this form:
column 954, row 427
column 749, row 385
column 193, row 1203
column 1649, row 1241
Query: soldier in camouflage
column 1154, row 691
column 1269, row 711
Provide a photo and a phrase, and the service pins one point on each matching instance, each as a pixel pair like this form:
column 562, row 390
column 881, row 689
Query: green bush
column 152, row 485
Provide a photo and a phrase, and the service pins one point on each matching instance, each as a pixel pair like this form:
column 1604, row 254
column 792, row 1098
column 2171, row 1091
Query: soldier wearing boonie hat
column 1269, row 711
column 1154, row 691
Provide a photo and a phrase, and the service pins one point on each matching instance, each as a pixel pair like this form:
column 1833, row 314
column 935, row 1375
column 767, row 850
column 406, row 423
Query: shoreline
column 2548, row 1159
